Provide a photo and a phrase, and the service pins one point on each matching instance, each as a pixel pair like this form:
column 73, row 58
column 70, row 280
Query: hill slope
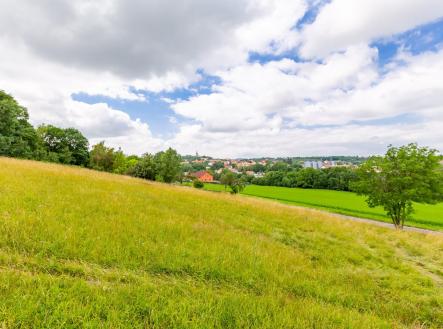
column 81, row 248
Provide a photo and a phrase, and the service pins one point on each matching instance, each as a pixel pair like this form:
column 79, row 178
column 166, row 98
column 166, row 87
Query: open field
column 80, row 248
column 347, row 203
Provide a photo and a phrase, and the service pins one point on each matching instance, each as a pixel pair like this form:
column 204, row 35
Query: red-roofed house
column 203, row 176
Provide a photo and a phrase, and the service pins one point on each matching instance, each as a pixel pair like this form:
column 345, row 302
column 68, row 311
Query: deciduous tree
column 102, row 157
column 236, row 184
column 145, row 167
column 17, row 136
column 167, row 165
column 67, row 146
column 404, row 175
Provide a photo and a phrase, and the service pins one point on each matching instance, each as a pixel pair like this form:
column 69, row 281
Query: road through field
column 344, row 204
column 372, row 221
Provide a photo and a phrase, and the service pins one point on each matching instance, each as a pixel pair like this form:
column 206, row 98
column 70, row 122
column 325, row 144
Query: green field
column 80, row 248
column 426, row 216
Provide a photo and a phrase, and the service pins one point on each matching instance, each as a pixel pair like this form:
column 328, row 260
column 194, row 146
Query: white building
column 313, row 164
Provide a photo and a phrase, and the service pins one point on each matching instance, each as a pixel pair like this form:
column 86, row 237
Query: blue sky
column 428, row 37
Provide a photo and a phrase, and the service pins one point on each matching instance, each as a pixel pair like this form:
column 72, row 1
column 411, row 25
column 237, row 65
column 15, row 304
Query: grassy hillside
column 426, row 216
column 80, row 248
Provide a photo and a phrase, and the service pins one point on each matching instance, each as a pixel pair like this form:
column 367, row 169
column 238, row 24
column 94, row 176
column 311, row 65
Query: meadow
column 86, row 249
column 347, row 203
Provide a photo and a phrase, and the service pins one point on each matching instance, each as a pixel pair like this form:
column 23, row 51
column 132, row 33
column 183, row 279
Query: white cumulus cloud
column 342, row 23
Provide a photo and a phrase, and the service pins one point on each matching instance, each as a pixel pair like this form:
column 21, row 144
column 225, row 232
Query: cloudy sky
column 236, row 78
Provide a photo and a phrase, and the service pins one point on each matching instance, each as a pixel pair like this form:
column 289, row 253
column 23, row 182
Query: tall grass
column 80, row 248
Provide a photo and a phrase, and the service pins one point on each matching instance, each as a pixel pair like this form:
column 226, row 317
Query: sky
column 232, row 78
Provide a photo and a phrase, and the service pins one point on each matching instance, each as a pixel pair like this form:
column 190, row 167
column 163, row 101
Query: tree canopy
column 66, row 146
column 17, row 136
column 145, row 168
column 404, row 175
column 236, row 184
column 163, row 166
column 102, row 157
column 167, row 165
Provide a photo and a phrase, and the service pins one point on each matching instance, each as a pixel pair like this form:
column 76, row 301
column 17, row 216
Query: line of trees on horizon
column 18, row 138
column 336, row 178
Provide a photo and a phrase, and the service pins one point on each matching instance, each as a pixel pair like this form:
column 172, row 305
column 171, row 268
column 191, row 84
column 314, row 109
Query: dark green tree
column 227, row 178
column 236, row 184
column 290, row 180
column 279, row 166
column 145, row 167
column 196, row 166
column 218, row 165
column 274, row 178
column 307, row 178
column 66, row 146
column 404, row 175
column 78, row 145
column 339, row 178
column 17, row 136
column 258, row 168
column 54, row 144
column 102, row 157
column 167, row 164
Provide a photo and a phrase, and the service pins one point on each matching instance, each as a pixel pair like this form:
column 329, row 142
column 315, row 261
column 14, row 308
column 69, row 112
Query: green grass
column 348, row 203
column 85, row 249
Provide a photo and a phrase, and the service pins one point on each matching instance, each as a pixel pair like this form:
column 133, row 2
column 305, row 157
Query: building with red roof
column 203, row 176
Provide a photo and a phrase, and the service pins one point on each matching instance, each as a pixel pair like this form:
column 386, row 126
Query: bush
column 198, row 184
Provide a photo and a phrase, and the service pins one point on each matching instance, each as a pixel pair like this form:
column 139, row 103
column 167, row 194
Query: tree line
column 336, row 178
column 18, row 138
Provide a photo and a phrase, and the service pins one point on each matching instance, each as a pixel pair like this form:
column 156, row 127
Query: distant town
column 327, row 172
column 205, row 168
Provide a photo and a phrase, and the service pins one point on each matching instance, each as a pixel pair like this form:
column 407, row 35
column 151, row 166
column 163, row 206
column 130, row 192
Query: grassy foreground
column 348, row 203
column 80, row 248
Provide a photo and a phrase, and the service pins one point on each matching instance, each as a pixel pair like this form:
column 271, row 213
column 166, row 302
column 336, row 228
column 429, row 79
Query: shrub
column 198, row 184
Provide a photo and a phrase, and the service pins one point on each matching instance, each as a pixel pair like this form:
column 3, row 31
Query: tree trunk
column 402, row 214
column 398, row 215
column 395, row 221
